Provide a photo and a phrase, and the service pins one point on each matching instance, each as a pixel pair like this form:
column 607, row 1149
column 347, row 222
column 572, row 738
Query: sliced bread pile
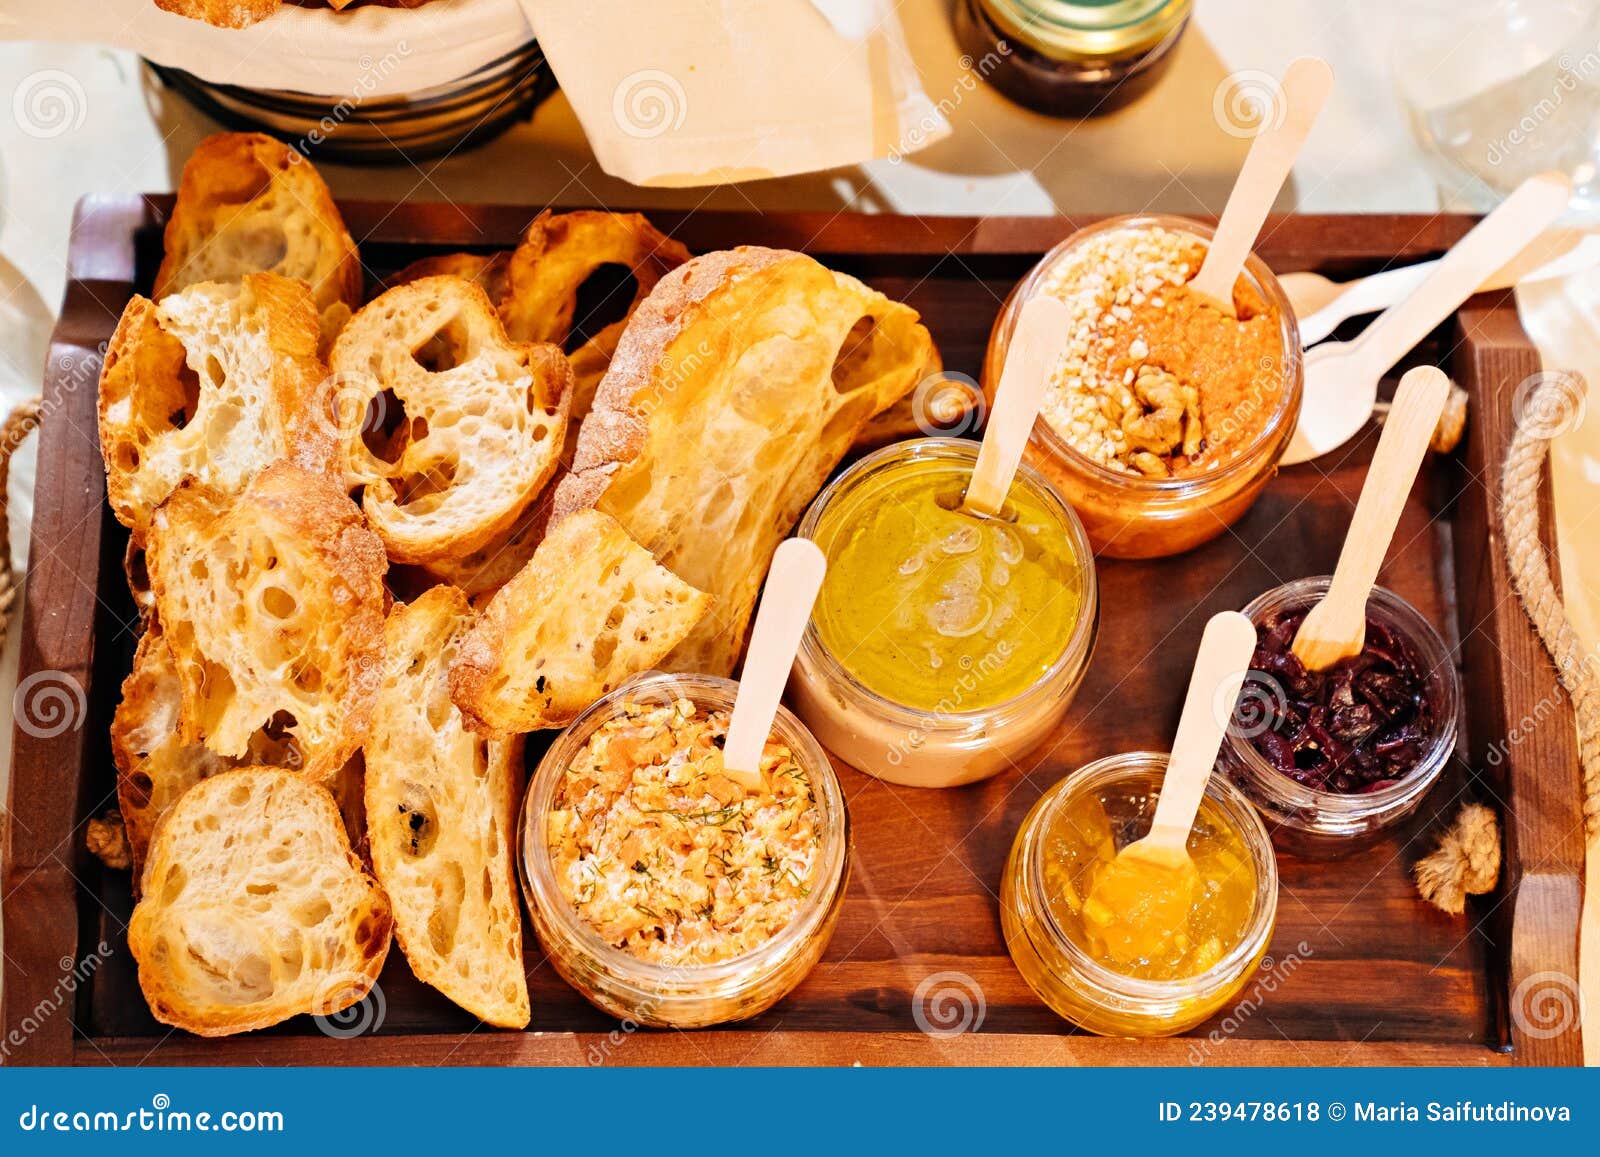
column 373, row 545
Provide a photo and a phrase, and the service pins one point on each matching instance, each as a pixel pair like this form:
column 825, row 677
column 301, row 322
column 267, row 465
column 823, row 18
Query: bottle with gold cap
column 1071, row 58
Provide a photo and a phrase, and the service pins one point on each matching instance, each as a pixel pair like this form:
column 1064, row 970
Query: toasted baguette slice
column 487, row 569
column 488, row 273
column 154, row 765
column 441, row 803
column 254, row 908
column 250, row 204
column 561, row 251
column 738, row 386
column 465, row 426
column 272, row 603
column 213, row 383
column 589, row 610
column 222, row 13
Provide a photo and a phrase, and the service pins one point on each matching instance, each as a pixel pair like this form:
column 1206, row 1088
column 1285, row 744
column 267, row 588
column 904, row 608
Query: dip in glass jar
column 1164, row 418
column 943, row 646
column 1335, row 758
column 1057, row 940
column 663, row 891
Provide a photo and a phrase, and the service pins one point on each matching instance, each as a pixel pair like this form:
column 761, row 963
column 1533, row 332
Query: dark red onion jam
column 1359, row 726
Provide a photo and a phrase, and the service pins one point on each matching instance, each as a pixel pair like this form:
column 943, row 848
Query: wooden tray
column 1366, row 973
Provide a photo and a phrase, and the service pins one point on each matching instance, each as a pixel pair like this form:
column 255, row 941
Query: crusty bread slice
column 154, row 765
column 272, row 602
column 560, row 251
column 738, row 385
column 222, row 13
column 449, row 428
column 488, row 273
column 212, row 383
column 487, row 569
column 589, row 610
column 250, row 204
column 254, row 907
column 441, row 802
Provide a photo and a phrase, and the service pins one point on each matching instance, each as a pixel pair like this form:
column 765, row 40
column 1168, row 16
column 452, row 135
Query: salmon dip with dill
column 668, row 858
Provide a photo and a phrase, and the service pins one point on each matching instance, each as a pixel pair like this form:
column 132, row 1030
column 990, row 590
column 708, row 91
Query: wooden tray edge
column 44, row 853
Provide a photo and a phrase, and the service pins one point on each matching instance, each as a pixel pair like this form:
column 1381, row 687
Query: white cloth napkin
column 671, row 92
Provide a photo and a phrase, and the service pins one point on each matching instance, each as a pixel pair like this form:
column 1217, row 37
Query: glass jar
column 1318, row 824
column 1071, row 58
column 1073, row 983
column 1129, row 515
column 681, row 996
column 949, row 745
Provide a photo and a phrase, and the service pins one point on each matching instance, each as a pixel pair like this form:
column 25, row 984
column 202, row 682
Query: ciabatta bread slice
column 272, row 602
column 561, row 251
column 441, row 807
column 448, row 428
column 213, row 383
column 589, row 610
column 487, row 569
column 254, row 907
column 738, row 386
column 154, row 764
column 248, row 203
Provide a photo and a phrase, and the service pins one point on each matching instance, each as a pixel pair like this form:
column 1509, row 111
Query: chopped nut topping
column 1145, row 364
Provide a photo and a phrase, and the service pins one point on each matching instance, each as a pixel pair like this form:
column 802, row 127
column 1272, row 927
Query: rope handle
column 1554, row 397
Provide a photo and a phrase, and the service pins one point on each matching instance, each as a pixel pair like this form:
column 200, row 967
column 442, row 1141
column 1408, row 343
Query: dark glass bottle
column 1071, row 58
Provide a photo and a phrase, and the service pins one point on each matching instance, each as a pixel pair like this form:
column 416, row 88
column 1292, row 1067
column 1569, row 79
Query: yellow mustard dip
column 1142, row 919
column 937, row 609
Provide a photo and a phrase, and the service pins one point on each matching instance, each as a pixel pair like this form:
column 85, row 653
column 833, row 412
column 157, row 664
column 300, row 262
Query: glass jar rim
column 1281, row 422
column 1064, row 28
column 736, row 972
column 1431, row 648
column 1252, row 833
column 1073, row 651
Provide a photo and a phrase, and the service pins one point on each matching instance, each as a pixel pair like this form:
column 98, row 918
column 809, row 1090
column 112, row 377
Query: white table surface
column 1164, row 153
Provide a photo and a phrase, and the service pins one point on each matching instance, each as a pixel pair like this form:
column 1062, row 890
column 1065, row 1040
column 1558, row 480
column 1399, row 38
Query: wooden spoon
column 793, row 581
column 1341, row 378
column 1040, row 331
column 1145, row 894
column 1305, row 87
column 1336, row 628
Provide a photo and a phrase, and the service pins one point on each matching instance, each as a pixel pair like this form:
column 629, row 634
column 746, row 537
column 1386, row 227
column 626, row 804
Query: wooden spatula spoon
column 1336, row 628
column 793, row 581
column 1040, row 332
column 1145, row 894
column 1305, row 87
